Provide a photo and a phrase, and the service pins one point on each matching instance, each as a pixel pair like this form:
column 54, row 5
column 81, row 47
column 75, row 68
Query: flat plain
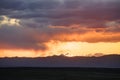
column 28, row 73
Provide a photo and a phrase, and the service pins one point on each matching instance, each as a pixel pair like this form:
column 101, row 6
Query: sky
column 40, row 28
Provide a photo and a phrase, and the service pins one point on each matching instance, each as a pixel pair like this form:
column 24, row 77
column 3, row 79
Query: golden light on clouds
column 9, row 21
column 84, row 48
column 17, row 53
column 67, row 49
column 57, row 27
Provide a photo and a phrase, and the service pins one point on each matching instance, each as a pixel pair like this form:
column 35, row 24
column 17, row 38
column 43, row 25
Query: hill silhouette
column 107, row 61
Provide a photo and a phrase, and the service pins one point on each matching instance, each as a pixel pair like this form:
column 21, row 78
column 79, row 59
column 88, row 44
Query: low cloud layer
column 31, row 24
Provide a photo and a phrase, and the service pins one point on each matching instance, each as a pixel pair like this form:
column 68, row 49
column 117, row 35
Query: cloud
column 4, row 20
column 41, row 21
column 13, row 37
column 113, row 26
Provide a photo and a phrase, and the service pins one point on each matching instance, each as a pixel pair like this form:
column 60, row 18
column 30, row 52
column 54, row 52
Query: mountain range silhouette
column 106, row 61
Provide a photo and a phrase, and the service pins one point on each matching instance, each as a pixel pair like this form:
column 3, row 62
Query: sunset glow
column 67, row 49
column 59, row 27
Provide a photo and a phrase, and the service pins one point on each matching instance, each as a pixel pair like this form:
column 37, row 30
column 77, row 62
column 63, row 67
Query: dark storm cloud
column 62, row 9
column 25, row 4
column 63, row 12
column 11, row 4
column 19, row 38
column 43, row 20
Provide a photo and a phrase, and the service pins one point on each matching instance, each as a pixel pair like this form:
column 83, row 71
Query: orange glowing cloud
column 57, row 27
column 87, row 35
column 69, row 49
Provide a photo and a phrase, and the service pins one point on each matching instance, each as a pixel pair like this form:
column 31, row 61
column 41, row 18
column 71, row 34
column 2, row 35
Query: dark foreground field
column 59, row 74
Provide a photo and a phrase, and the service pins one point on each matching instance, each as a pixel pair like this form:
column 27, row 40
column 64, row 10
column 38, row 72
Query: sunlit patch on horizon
column 83, row 48
column 69, row 49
